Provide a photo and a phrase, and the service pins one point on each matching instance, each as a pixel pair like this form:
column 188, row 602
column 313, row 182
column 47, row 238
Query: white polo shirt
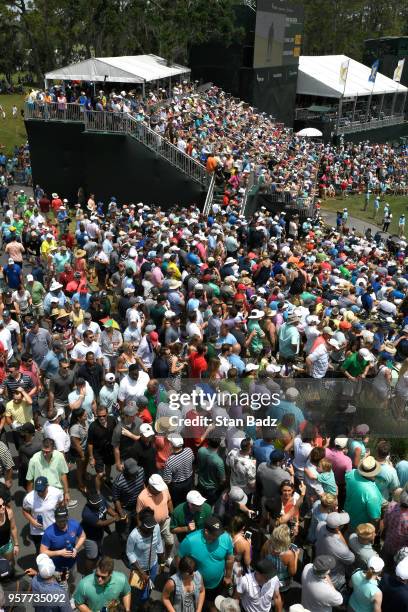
column 35, row 505
column 132, row 389
column 81, row 349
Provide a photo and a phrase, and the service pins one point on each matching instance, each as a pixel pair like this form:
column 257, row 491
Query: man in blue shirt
column 13, row 274
column 62, row 540
column 50, row 364
column 262, row 449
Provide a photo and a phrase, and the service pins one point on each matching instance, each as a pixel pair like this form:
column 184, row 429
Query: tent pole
column 394, row 99
column 341, row 100
column 339, row 109
column 368, row 106
column 403, row 103
column 354, row 108
column 143, row 88
column 381, row 106
column 169, row 87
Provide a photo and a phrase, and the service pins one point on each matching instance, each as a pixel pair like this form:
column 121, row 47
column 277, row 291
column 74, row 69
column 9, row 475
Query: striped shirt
column 11, row 384
column 6, row 460
column 179, row 466
column 126, row 490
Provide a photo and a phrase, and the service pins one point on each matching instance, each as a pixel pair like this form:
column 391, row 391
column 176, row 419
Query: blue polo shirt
column 12, row 274
column 55, row 539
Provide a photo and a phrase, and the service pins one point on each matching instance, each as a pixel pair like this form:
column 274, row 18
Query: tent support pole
column 169, row 87
column 394, row 99
column 354, row 109
column 381, row 106
column 143, row 89
column 339, row 109
column 403, row 103
column 368, row 107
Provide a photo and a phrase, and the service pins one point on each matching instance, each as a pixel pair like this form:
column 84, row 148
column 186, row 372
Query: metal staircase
column 121, row 123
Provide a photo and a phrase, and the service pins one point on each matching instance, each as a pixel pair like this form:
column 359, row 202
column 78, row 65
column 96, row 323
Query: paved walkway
column 361, row 225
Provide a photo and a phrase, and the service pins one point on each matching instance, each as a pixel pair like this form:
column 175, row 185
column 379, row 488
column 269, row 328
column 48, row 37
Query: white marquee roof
column 320, row 76
column 126, row 69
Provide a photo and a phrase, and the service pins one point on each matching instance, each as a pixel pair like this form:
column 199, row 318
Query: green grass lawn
column 355, row 205
column 12, row 130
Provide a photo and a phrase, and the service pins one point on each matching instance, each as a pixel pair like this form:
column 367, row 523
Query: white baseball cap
column 110, row 377
column 376, row 563
column 341, row 442
column 30, row 278
column 146, row 430
column 157, row 482
column 402, row 569
column 195, row 498
column 176, row 441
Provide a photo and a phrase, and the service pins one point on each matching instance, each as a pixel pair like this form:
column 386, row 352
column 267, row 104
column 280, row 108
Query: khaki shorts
column 166, row 534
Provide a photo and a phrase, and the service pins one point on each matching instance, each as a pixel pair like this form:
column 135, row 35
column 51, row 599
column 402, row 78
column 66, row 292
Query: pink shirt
column 157, row 276
column 341, row 463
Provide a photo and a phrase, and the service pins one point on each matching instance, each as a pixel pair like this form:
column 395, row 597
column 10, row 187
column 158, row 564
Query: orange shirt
column 211, row 164
column 163, row 451
column 158, row 503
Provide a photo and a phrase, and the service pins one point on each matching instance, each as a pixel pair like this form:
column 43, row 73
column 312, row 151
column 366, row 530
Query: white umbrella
column 311, row 132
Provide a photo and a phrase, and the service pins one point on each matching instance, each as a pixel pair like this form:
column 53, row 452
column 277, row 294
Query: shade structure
column 126, row 69
column 311, row 132
column 320, row 76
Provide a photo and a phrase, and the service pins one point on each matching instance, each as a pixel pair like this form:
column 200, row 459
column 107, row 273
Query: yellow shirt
column 77, row 319
column 46, row 246
column 20, row 413
column 174, row 271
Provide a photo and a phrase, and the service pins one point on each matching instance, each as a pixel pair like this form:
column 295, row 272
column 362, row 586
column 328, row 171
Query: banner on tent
column 398, row 71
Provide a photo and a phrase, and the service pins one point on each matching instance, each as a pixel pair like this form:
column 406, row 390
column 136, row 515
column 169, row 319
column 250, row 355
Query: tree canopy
column 45, row 34
column 40, row 35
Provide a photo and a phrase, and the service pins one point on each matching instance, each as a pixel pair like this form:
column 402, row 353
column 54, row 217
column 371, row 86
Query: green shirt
column 96, row 596
column 211, row 469
column 52, row 470
column 19, row 225
column 387, row 481
column 211, row 351
column 37, row 292
column 363, row 499
column 256, row 344
column 153, row 401
column 354, row 365
column 210, row 557
column 182, row 516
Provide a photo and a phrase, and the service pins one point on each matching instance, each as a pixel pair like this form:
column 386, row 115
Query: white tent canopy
column 320, row 76
column 126, row 69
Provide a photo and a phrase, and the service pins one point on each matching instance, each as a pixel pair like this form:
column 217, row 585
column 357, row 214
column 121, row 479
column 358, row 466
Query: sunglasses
column 102, row 576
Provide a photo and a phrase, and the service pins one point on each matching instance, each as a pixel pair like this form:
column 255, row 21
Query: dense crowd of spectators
column 203, row 388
